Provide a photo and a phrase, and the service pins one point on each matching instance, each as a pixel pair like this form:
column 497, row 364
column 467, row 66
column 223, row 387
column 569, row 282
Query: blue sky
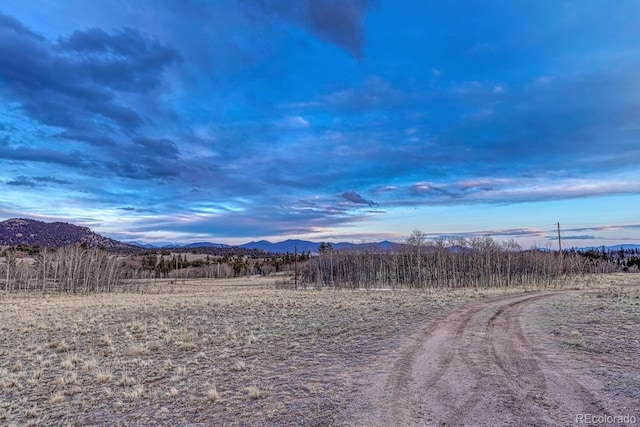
column 332, row 120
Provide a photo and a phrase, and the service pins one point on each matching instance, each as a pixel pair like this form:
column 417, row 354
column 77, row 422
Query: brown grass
column 212, row 394
column 275, row 356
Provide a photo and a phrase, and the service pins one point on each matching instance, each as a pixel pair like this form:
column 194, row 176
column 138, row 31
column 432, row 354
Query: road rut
column 477, row 366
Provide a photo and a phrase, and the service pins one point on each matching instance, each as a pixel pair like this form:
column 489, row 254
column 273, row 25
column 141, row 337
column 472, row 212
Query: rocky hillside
column 22, row 231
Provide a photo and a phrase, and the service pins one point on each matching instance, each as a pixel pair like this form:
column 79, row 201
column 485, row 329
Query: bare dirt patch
column 539, row 358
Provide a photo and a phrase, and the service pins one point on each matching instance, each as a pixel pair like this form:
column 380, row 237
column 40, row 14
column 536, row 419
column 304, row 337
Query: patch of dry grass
column 275, row 356
column 598, row 329
column 212, row 393
column 104, row 377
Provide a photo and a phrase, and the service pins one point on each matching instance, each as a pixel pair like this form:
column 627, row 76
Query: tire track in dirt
column 552, row 396
column 476, row 366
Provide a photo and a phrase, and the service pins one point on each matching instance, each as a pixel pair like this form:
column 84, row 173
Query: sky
column 338, row 120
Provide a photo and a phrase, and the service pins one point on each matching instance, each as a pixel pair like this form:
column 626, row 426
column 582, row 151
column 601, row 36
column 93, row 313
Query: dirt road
column 477, row 365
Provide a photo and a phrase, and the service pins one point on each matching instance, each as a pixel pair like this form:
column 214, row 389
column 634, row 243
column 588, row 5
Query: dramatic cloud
column 78, row 85
column 258, row 118
column 94, row 65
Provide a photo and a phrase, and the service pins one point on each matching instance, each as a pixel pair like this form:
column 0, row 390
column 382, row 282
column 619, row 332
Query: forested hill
column 30, row 232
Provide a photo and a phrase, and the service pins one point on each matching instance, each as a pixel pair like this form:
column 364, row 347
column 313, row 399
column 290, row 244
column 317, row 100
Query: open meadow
column 240, row 352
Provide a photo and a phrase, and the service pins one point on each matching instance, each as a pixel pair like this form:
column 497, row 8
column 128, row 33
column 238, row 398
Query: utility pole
column 560, row 248
column 295, row 268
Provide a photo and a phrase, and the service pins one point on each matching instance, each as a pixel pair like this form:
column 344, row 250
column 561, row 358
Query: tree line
column 79, row 269
column 69, row 269
column 418, row 263
column 446, row 263
column 163, row 264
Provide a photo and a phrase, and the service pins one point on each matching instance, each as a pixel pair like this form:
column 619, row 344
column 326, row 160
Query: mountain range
column 24, row 231
column 612, row 248
column 280, row 247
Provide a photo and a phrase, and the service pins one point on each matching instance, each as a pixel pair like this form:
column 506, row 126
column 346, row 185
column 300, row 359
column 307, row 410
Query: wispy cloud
column 294, row 122
column 356, row 198
column 43, row 155
column 36, row 181
column 575, row 237
column 621, row 227
column 498, row 233
column 512, row 190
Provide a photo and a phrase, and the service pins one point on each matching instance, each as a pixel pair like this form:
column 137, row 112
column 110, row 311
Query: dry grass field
column 598, row 331
column 236, row 352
